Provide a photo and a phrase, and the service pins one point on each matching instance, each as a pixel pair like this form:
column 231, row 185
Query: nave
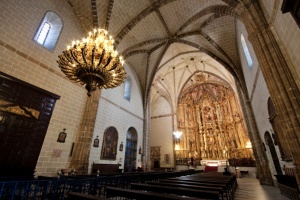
column 244, row 188
column 250, row 189
column 187, row 184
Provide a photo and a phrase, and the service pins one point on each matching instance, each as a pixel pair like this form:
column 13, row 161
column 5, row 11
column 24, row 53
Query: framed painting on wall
column 62, row 136
column 109, row 145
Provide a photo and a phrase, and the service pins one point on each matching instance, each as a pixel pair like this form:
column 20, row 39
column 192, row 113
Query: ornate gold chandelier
column 93, row 62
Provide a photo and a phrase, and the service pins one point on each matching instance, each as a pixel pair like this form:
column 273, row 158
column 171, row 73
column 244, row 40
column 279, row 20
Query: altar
column 211, row 124
column 216, row 163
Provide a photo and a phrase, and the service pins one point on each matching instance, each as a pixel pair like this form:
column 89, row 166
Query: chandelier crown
column 93, row 62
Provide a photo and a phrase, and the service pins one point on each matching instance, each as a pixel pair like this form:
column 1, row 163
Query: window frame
column 127, row 88
column 53, row 35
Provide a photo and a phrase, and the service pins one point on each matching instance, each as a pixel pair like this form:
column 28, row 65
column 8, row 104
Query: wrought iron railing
column 57, row 188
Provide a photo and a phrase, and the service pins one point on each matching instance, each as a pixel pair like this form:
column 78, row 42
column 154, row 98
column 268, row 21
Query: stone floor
column 250, row 189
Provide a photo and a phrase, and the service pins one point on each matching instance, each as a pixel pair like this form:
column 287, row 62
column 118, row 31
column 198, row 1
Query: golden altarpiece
column 211, row 122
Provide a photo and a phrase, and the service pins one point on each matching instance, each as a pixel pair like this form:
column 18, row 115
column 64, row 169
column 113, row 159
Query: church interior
column 98, row 87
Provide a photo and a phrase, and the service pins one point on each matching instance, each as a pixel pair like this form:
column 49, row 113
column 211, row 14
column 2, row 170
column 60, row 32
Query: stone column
column 281, row 82
column 81, row 152
column 262, row 166
column 146, row 159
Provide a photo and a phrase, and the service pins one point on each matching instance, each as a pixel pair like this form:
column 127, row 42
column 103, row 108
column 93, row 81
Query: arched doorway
column 270, row 143
column 131, row 150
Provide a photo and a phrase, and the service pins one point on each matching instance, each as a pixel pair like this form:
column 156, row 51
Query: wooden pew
column 79, row 196
column 203, row 194
column 134, row 194
column 213, row 178
column 226, row 190
column 223, row 185
column 180, row 185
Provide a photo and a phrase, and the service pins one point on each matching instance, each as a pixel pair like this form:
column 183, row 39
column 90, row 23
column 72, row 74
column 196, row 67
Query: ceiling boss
column 93, row 62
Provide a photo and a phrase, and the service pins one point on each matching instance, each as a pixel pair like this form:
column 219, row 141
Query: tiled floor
column 250, row 189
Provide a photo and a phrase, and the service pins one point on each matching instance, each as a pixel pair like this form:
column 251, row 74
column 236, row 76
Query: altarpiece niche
column 211, row 121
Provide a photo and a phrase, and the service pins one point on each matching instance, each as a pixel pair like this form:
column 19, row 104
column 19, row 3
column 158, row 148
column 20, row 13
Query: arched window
column 49, row 30
column 246, row 51
column 127, row 88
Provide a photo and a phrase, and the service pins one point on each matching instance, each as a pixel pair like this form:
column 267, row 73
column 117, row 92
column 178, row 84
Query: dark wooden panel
column 105, row 168
column 25, row 113
column 292, row 6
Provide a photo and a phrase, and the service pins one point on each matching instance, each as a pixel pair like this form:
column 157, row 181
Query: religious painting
column 109, row 145
column 62, row 136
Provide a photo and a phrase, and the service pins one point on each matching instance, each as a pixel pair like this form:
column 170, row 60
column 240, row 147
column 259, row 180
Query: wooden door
column 25, row 113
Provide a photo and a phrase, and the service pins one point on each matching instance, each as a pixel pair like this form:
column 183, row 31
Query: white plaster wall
column 116, row 111
column 249, row 74
column 269, row 6
column 162, row 130
column 19, row 22
column 161, row 135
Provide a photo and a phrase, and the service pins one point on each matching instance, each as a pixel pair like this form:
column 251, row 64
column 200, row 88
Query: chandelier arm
column 101, row 57
column 74, row 57
column 84, row 57
column 67, row 56
column 93, row 58
column 64, row 65
column 115, row 65
column 107, row 62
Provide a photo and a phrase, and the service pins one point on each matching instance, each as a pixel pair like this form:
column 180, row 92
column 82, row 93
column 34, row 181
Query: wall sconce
column 96, row 142
column 140, row 150
column 62, row 136
column 121, row 147
column 177, row 135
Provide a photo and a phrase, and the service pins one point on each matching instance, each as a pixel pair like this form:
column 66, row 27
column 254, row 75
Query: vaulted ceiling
column 198, row 34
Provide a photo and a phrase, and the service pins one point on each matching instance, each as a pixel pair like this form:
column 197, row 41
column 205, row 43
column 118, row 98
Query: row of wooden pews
column 112, row 192
column 102, row 186
column 212, row 185
column 213, row 179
